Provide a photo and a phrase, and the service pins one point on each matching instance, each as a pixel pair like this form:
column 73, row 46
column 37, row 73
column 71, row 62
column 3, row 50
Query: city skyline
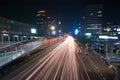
column 68, row 12
column 59, row 40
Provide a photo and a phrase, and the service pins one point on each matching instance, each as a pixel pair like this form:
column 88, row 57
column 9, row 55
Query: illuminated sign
column 103, row 37
column 107, row 29
column 76, row 31
column 112, row 37
column 41, row 11
column 118, row 29
column 118, row 32
column 94, row 28
column 88, row 34
column 108, row 37
column 5, row 34
column 33, row 30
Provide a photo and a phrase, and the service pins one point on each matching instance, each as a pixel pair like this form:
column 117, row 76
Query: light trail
column 64, row 62
column 65, row 55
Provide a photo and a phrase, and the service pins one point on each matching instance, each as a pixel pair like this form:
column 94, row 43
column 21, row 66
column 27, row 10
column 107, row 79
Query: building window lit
column 99, row 11
column 115, row 29
column 83, row 17
column 118, row 29
column 99, row 15
column 91, row 14
column 118, row 32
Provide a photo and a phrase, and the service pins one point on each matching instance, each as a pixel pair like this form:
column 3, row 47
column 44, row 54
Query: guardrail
column 108, row 51
column 11, row 53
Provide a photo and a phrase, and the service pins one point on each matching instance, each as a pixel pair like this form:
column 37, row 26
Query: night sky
column 68, row 11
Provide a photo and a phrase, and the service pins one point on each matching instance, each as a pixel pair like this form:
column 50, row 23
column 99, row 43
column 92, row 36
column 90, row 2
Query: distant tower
column 42, row 22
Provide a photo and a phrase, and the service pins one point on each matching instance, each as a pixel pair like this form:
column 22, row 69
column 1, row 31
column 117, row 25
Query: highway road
column 62, row 61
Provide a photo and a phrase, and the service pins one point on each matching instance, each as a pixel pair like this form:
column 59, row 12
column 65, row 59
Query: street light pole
column 49, row 37
column 51, row 28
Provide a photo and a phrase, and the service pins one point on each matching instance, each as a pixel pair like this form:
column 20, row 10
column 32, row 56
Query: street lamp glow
column 52, row 27
column 53, row 32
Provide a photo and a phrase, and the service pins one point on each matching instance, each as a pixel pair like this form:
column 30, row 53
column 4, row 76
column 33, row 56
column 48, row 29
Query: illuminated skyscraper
column 42, row 22
column 93, row 18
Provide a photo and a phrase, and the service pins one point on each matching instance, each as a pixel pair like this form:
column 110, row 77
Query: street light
column 52, row 28
column 53, row 32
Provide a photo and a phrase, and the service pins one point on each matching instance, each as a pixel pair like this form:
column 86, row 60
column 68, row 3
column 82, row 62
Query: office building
column 93, row 18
